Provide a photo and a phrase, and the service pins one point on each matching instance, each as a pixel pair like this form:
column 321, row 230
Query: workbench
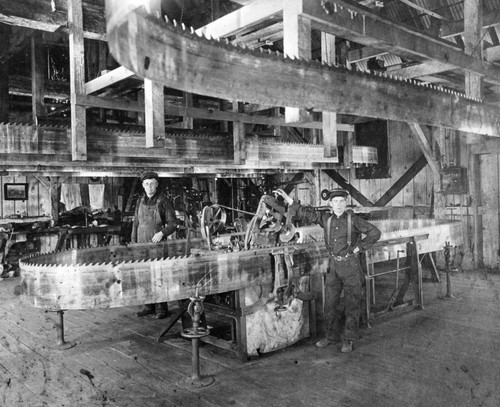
column 36, row 238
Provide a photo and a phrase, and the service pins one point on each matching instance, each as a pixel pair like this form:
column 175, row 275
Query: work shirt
column 151, row 216
column 336, row 243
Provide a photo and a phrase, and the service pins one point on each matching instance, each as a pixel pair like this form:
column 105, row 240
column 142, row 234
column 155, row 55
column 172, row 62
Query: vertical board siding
column 489, row 182
column 403, row 152
column 8, row 207
column 39, row 199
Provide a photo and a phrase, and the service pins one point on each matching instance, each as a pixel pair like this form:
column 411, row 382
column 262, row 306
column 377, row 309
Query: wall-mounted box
column 454, row 180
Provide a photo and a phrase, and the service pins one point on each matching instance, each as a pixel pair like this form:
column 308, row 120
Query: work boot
column 322, row 343
column 146, row 311
column 346, row 347
column 160, row 314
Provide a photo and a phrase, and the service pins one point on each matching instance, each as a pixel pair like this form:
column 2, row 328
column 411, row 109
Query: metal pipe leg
column 61, row 343
column 195, row 310
column 447, row 255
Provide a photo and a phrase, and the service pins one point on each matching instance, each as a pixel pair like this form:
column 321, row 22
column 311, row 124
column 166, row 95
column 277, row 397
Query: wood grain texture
column 193, row 64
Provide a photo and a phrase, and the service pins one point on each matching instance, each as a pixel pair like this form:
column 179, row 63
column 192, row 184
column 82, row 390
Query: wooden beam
column 243, row 18
column 187, row 99
column 361, row 54
column 108, row 79
column 77, row 80
column 448, row 29
column 423, row 9
column 107, row 103
column 343, row 183
column 154, row 102
column 21, row 86
column 475, row 189
column 258, row 38
column 419, row 70
column 486, row 145
column 423, row 142
column 296, row 44
column 5, row 32
column 492, row 53
column 473, row 40
column 54, row 198
column 371, row 29
column 208, row 68
column 197, row 113
column 456, row 27
column 290, row 186
column 38, row 15
column 329, row 118
column 17, row 41
column 38, row 68
column 4, row 93
column 239, row 136
column 402, row 181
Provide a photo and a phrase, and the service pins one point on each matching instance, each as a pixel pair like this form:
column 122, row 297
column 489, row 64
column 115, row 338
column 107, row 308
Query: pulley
column 287, row 233
column 213, row 220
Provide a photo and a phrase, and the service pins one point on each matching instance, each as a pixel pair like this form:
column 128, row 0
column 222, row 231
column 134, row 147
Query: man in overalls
column 344, row 242
column 154, row 220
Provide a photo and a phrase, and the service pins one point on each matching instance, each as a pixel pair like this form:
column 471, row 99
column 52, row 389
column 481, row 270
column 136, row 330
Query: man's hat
column 332, row 193
column 149, row 175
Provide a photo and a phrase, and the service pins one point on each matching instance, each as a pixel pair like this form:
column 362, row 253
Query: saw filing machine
column 272, row 257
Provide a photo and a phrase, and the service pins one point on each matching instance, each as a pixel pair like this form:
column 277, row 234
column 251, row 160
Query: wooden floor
column 446, row 355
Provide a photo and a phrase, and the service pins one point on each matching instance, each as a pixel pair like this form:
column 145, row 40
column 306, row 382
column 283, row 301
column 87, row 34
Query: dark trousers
column 346, row 276
column 160, row 306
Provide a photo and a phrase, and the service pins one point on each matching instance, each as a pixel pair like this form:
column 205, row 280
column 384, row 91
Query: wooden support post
column 330, row 141
column 339, row 179
column 473, row 35
column 475, row 189
column 4, row 93
column 102, row 64
column 241, row 326
column 38, row 67
column 296, row 44
column 154, row 101
column 473, row 41
column 425, row 146
column 187, row 122
column 54, row 198
column 77, row 80
column 239, row 136
column 154, row 97
column 5, row 32
column 402, row 181
column 141, row 119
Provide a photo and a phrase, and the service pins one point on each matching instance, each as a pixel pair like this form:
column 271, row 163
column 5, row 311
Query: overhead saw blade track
column 176, row 56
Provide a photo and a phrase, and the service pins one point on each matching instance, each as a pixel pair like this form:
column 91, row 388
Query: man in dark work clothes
column 154, row 220
column 344, row 242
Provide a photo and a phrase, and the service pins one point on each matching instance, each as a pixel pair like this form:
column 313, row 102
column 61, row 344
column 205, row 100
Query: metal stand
column 413, row 275
column 59, row 325
column 447, row 256
column 195, row 309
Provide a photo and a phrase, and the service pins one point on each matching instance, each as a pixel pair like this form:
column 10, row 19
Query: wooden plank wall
column 489, row 182
column 404, row 151
column 39, row 203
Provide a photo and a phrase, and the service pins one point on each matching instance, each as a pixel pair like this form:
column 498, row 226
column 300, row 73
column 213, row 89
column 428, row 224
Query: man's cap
column 332, row 193
column 149, row 175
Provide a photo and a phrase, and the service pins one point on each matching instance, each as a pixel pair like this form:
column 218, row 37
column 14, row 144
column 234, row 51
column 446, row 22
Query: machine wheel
column 213, row 220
